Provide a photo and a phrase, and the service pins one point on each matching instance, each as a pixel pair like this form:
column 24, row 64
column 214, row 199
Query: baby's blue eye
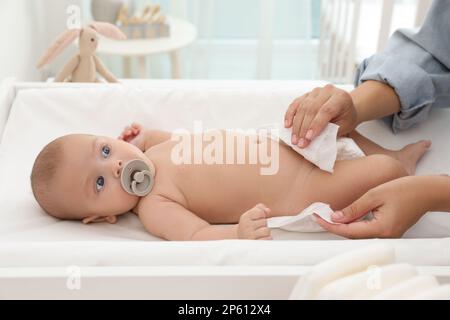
column 106, row 151
column 100, row 183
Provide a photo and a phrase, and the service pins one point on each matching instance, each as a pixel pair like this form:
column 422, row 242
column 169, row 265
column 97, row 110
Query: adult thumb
column 356, row 210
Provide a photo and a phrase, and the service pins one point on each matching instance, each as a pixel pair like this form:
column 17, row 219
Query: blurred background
column 211, row 39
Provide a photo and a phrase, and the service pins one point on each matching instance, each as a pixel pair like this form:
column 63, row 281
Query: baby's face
column 89, row 177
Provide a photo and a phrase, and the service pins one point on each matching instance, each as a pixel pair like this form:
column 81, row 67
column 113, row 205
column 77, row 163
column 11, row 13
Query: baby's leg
column 351, row 179
column 408, row 156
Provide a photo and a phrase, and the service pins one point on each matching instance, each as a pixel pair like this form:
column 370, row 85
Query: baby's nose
column 117, row 168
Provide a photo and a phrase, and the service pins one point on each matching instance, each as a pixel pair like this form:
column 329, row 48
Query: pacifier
column 137, row 178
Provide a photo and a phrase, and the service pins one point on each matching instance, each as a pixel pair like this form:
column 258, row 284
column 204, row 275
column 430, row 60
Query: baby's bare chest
column 217, row 191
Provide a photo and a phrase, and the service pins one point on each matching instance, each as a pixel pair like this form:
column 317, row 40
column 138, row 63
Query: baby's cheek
column 124, row 199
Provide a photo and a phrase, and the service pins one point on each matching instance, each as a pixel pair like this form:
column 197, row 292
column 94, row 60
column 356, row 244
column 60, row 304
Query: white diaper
column 323, row 151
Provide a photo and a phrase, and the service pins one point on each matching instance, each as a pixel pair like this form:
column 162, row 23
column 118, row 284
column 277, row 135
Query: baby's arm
column 154, row 137
column 143, row 138
column 171, row 221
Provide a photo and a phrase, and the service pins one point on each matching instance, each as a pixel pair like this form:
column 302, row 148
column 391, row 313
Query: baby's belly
column 222, row 193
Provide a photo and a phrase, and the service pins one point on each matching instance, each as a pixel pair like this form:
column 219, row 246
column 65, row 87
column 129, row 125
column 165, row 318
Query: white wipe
column 305, row 221
column 324, row 150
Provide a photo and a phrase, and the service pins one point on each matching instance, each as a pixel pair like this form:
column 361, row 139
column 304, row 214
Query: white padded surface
column 29, row 236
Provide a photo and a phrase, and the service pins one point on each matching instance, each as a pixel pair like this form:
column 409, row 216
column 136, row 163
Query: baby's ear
column 95, row 219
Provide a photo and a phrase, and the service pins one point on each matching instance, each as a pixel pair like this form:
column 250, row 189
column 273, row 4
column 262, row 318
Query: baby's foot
column 411, row 154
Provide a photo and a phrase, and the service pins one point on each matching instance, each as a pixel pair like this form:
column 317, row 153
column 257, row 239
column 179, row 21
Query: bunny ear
column 58, row 46
column 108, row 30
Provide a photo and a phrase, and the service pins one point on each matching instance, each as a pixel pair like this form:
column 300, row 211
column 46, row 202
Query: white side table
column 182, row 33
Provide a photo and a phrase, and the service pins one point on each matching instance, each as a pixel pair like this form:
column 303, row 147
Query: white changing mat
column 40, row 115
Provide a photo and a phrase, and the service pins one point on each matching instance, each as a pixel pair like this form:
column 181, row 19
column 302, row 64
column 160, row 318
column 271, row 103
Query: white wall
column 19, row 47
column 27, row 27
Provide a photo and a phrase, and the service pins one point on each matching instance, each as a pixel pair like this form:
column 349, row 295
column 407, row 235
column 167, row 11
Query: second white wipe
column 304, row 221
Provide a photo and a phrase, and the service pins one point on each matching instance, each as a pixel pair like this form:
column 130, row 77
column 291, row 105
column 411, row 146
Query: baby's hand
column 253, row 224
column 134, row 134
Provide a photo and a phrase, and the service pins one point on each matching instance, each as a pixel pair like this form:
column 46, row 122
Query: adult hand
column 309, row 114
column 396, row 206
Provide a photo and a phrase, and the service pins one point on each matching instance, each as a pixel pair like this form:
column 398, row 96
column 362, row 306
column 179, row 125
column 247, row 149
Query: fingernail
column 286, row 123
column 337, row 215
column 294, row 139
column 301, row 143
column 309, row 134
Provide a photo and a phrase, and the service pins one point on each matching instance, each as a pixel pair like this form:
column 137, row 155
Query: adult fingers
column 292, row 110
column 357, row 209
column 312, row 107
column 354, row 230
column 297, row 123
column 329, row 110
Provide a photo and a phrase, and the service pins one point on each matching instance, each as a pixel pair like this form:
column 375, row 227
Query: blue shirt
column 417, row 65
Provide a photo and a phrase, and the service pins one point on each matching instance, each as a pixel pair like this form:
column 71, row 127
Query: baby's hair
column 44, row 171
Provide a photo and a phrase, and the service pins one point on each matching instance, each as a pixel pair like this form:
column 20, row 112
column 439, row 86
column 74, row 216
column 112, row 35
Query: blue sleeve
column 417, row 66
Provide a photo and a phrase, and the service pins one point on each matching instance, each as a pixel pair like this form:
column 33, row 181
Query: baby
column 77, row 177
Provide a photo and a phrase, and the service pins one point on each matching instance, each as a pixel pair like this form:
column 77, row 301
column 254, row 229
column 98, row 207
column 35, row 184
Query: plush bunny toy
column 84, row 66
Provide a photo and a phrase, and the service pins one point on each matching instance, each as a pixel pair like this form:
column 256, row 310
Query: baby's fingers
column 136, row 128
column 260, row 223
column 128, row 131
column 124, row 131
column 263, row 232
column 261, row 207
column 136, row 125
column 257, row 214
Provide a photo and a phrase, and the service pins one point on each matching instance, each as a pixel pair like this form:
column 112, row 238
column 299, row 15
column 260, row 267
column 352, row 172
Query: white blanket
column 40, row 115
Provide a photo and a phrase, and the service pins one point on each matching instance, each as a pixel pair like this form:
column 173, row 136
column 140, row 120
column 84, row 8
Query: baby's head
column 77, row 177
